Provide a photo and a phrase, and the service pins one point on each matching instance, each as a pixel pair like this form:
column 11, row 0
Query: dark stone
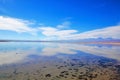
column 73, row 75
column 61, row 75
column 48, row 75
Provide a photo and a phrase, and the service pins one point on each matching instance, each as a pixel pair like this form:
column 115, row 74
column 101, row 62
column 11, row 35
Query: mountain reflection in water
column 58, row 61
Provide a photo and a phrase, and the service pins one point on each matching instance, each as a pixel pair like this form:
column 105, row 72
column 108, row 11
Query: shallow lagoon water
column 58, row 61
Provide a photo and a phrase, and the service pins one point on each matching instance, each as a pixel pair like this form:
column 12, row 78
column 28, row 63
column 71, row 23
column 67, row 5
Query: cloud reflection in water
column 16, row 54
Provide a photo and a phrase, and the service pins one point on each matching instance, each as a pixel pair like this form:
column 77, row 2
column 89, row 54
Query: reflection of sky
column 18, row 52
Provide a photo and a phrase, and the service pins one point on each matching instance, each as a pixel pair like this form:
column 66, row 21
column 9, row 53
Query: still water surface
column 58, row 61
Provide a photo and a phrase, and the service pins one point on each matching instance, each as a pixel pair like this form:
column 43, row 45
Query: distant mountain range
column 81, row 40
column 97, row 40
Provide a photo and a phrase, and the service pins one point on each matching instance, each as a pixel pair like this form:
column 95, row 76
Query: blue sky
column 59, row 19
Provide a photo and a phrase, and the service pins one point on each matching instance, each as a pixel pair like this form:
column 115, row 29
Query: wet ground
column 59, row 62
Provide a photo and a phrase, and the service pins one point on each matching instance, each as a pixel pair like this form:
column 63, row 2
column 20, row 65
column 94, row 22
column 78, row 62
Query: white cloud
column 60, row 32
column 109, row 32
column 14, row 24
column 64, row 25
column 56, row 33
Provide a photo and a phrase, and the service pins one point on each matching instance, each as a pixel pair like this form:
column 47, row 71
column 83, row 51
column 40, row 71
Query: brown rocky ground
column 63, row 68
